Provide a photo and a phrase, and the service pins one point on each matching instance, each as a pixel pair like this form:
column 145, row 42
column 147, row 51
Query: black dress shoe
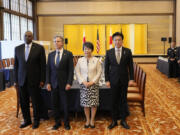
column 67, row 127
column 25, row 124
column 92, row 126
column 112, row 125
column 35, row 125
column 56, row 126
column 179, row 80
column 86, row 126
column 124, row 124
column 45, row 117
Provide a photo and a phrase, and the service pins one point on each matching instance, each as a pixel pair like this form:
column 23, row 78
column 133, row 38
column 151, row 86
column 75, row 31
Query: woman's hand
column 85, row 84
column 90, row 84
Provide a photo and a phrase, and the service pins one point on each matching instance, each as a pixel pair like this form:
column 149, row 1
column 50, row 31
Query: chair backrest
column 137, row 73
column 4, row 63
column 139, row 77
column 143, row 83
column 1, row 65
column 8, row 62
column 135, row 68
column 12, row 61
column 75, row 59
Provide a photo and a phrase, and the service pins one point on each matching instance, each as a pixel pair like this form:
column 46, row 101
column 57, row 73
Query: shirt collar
column 116, row 49
column 57, row 50
column 28, row 44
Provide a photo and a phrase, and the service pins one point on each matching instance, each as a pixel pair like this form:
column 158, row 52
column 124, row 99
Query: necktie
column 58, row 59
column 118, row 56
column 27, row 52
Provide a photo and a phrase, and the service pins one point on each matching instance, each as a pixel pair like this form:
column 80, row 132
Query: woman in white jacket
column 88, row 71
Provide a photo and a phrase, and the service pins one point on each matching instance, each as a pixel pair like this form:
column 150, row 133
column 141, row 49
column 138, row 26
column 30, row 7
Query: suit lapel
column 114, row 55
column 123, row 53
column 23, row 52
column 63, row 56
column 53, row 58
column 31, row 51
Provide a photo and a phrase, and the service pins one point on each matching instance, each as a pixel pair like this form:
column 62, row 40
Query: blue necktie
column 58, row 59
column 26, row 52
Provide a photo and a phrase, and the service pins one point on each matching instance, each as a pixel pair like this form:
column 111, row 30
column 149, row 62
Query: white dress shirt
column 91, row 70
column 120, row 50
column 61, row 52
column 30, row 45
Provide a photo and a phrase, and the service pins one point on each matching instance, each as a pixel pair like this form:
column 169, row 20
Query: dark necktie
column 58, row 59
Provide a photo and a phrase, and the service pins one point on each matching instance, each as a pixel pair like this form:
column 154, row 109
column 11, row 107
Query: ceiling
column 94, row 0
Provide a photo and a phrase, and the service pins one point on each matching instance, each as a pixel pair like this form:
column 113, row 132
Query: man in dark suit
column 60, row 71
column 171, row 53
column 30, row 69
column 178, row 61
column 118, row 72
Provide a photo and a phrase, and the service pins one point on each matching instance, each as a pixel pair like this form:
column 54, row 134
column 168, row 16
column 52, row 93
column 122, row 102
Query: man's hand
column 108, row 84
column 68, row 87
column 172, row 59
column 15, row 85
column 131, row 83
column 41, row 85
column 48, row 87
column 178, row 61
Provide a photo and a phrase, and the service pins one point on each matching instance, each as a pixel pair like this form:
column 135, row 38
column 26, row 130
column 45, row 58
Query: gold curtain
column 75, row 33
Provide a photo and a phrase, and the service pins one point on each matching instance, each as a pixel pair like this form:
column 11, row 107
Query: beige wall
column 157, row 14
column 178, row 22
column 121, row 7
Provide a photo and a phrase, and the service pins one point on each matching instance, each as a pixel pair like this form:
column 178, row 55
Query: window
column 6, row 3
column 15, row 5
column 6, row 26
column 17, row 23
column 23, row 7
column 23, row 27
column 30, row 25
column 15, row 27
column 29, row 8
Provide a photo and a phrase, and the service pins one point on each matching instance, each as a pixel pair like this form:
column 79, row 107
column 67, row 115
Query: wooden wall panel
column 178, row 22
column 113, row 7
column 158, row 26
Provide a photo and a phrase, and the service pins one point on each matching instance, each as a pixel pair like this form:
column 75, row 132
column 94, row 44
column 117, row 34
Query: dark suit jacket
column 122, row 72
column 63, row 74
column 178, row 53
column 34, row 70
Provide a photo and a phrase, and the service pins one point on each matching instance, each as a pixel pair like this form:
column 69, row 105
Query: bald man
column 30, row 69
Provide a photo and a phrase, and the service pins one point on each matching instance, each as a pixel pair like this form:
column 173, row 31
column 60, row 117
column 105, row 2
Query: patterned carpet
column 162, row 103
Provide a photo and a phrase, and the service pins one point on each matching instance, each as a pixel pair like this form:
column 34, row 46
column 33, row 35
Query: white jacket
column 92, row 71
